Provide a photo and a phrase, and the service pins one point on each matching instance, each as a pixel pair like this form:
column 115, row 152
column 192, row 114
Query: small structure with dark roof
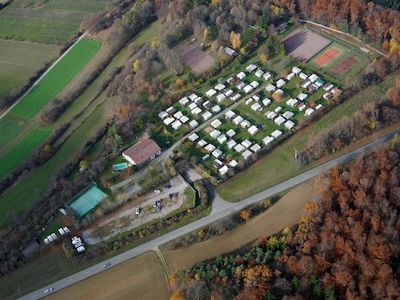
column 142, row 152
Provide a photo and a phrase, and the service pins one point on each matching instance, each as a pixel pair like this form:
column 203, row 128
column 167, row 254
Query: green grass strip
column 21, row 151
column 58, row 77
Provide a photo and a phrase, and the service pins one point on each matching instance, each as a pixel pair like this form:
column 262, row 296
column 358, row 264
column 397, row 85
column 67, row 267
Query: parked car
column 106, row 265
column 49, row 290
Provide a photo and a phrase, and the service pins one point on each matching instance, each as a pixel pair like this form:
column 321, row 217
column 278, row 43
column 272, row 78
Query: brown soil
column 327, row 57
column 139, row 278
column 345, row 65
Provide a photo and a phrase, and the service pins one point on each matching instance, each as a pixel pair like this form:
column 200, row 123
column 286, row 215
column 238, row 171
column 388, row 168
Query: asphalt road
column 222, row 210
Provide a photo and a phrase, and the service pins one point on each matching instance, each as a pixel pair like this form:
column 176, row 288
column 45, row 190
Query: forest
column 345, row 247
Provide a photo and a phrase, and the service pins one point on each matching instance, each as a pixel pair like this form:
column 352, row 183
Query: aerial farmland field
column 58, row 77
column 21, row 151
column 45, row 21
column 20, row 60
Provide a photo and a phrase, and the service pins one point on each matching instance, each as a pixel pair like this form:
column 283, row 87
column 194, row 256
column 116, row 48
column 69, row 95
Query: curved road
column 221, row 211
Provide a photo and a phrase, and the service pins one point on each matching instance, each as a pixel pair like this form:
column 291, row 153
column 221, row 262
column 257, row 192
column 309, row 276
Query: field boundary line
column 42, row 76
column 167, row 271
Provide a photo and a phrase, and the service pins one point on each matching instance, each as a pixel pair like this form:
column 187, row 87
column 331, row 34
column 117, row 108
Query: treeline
column 346, row 247
column 373, row 117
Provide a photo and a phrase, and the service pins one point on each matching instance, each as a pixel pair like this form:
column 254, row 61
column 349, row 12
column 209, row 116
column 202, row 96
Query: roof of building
column 142, row 151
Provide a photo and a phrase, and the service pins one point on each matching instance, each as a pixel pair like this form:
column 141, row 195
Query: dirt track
column 286, row 212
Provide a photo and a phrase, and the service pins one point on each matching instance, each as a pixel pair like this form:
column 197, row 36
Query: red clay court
column 326, row 57
column 345, row 65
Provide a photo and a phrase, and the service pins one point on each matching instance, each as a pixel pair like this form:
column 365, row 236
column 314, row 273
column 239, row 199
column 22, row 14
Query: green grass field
column 20, row 60
column 21, row 151
column 10, row 128
column 58, row 77
column 45, row 21
column 48, row 268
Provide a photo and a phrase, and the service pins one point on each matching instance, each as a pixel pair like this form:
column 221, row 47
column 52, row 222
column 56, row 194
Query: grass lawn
column 146, row 35
column 280, row 165
column 57, row 78
column 48, row 268
column 20, row 60
column 21, row 151
column 35, row 184
column 45, row 21
column 10, row 127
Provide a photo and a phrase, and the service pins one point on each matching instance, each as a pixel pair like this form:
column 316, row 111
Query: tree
column 177, row 295
column 205, row 34
column 264, row 58
column 235, row 40
column 246, row 214
column 136, row 66
column 180, row 83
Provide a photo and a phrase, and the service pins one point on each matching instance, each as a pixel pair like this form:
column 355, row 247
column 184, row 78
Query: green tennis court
column 87, row 201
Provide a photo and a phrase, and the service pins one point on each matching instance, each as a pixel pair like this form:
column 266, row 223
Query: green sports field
column 21, row 151
column 63, row 72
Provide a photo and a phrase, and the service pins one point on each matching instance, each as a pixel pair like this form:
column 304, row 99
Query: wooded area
column 346, row 246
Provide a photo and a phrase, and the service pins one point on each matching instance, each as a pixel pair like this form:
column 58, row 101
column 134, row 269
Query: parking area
column 157, row 204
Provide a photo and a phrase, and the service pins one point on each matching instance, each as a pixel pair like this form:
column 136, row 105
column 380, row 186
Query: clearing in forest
column 192, row 55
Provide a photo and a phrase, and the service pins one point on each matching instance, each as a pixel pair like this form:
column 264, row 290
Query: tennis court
column 87, row 200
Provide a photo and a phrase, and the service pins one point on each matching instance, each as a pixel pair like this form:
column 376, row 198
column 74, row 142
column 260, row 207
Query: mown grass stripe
column 58, row 77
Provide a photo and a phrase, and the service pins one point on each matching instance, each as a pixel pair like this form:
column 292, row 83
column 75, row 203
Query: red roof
column 142, row 151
